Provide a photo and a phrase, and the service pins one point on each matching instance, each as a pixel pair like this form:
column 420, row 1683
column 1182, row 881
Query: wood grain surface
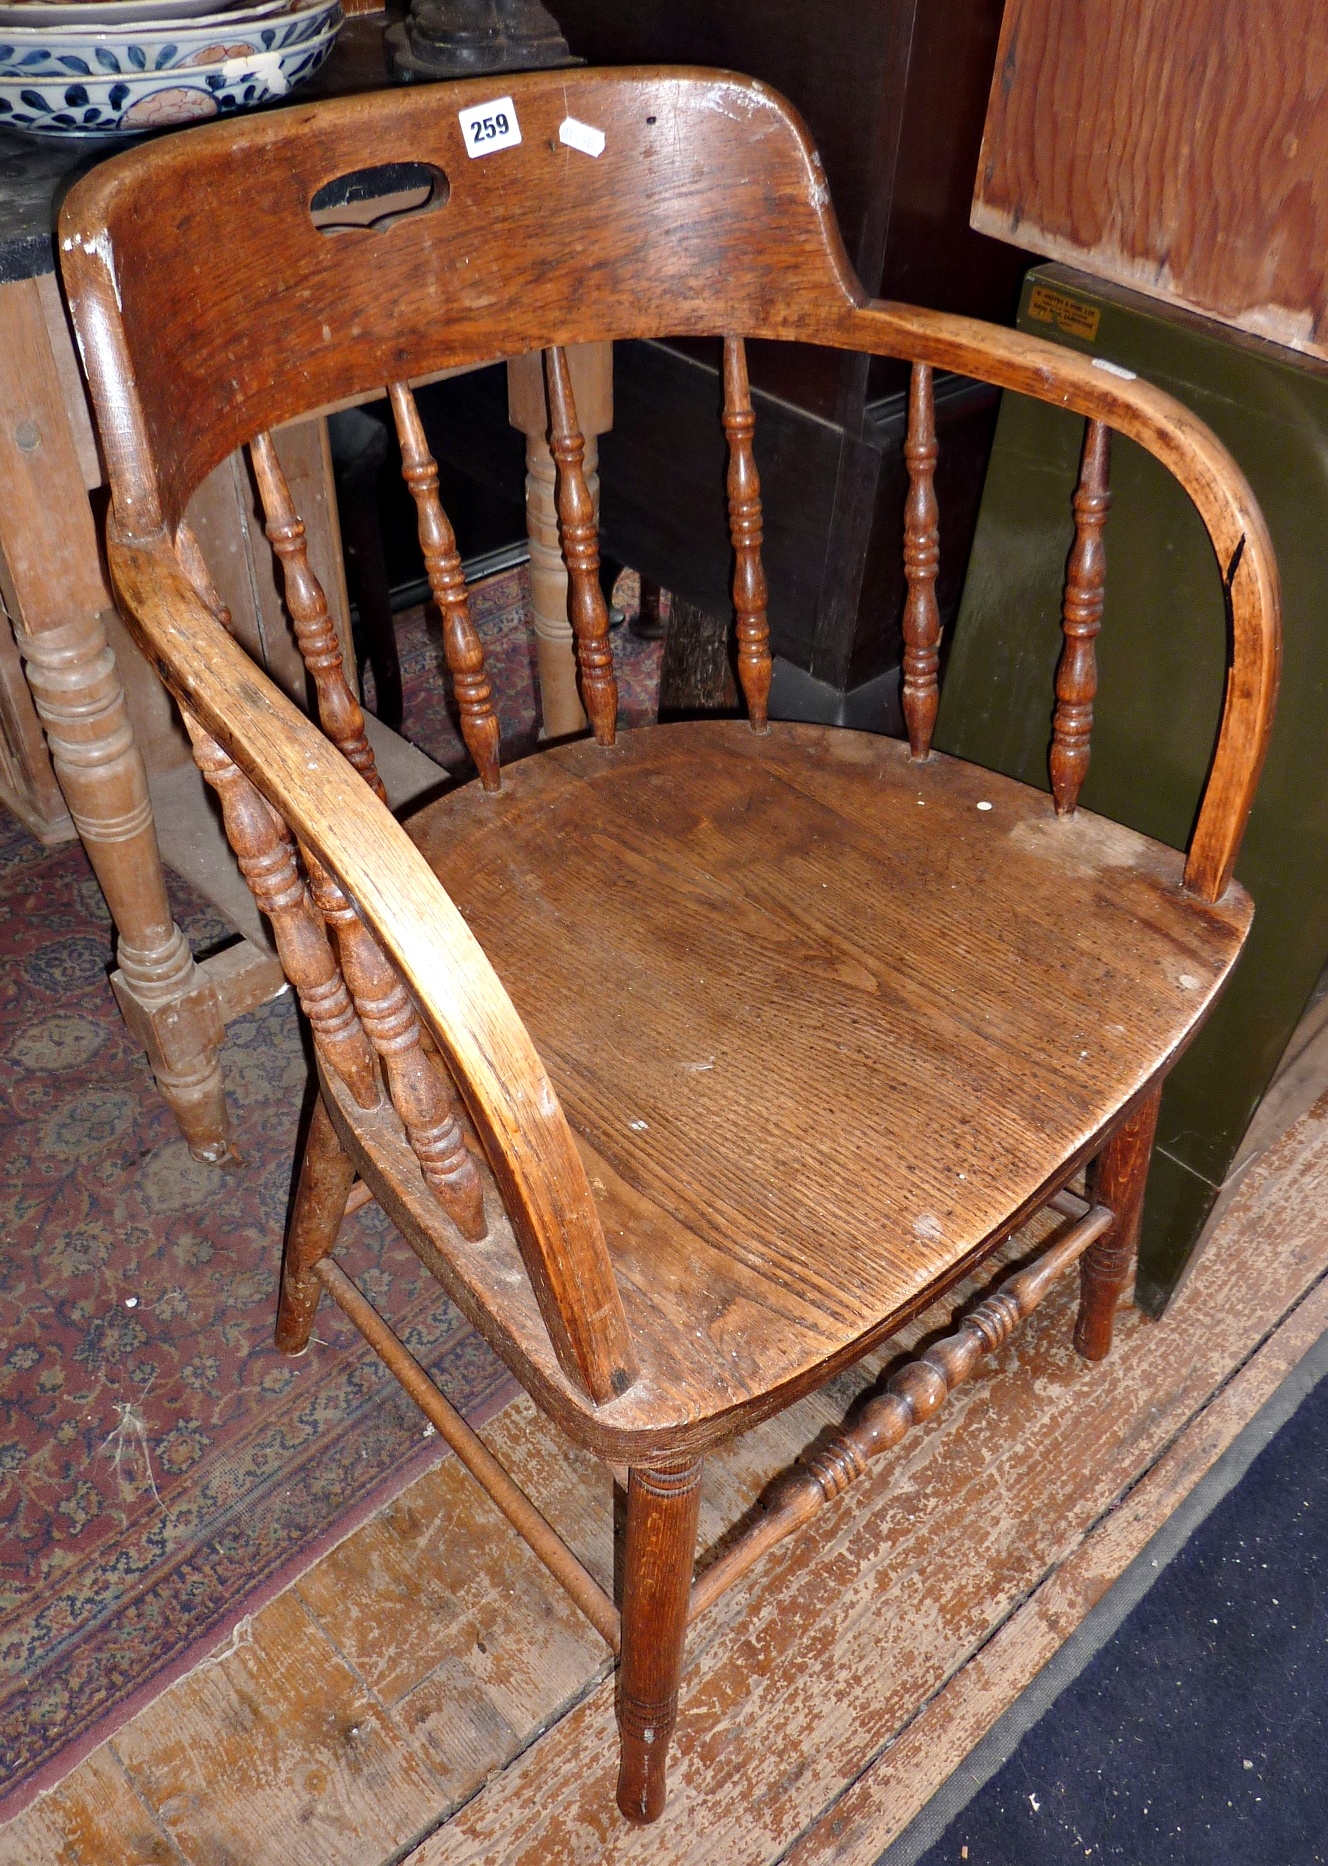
column 447, row 586
column 490, row 1054
column 856, row 1828
column 320, row 1758
column 321, row 1202
column 914, row 1393
column 267, row 860
column 784, row 924
column 55, row 594
column 1119, row 1179
column 339, row 711
column 659, row 1548
column 1179, row 147
column 750, row 594
column 578, row 533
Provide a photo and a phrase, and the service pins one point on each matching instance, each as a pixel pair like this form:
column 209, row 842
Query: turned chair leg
column 1119, row 1179
column 662, row 1508
column 326, row 1174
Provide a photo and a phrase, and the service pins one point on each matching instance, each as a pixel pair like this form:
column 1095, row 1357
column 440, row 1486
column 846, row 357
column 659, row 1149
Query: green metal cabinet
column 1161, row 657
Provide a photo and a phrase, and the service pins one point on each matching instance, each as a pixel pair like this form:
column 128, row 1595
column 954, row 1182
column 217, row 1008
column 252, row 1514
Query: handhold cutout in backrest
column 370, row 199
column 668, row 230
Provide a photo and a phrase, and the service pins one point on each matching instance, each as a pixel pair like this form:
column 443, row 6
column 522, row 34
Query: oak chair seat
column 694, row 1062
column 769, row 977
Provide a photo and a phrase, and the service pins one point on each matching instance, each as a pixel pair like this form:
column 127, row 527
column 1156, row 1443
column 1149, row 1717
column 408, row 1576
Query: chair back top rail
column 706, row 213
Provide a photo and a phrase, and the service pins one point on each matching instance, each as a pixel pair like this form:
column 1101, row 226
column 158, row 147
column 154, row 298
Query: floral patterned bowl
column 214, row 79
column 57, row 54
column 99, row 15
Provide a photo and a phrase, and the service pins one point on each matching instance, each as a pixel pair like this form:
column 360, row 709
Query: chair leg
column 662, row 1508
column 1119, row 1180
column 326, row 1174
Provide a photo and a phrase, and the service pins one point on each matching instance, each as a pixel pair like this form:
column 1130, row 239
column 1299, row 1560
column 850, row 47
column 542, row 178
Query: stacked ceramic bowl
column 92, row 68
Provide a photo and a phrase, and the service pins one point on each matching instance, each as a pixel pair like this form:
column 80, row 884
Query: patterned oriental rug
column 163, row 1470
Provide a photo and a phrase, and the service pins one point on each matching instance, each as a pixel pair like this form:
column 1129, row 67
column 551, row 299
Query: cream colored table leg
column 592, row 384
column 56, row 597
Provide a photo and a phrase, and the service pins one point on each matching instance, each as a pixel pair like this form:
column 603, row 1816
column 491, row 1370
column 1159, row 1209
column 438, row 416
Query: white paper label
column 582, row 136
column 1114, row 369
column 490, row 127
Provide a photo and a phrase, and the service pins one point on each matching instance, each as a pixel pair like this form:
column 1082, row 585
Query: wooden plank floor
column 425, row 1691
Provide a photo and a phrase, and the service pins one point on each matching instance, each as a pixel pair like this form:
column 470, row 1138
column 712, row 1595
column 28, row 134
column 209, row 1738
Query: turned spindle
column 339, row 711
column 418, row 1092
column 922, row 556
column 750, row 595
column 915, row 1392
column 442, row 562
column 1081, row 618
column 911, row 1395
column 580, row 541
column 266, row 855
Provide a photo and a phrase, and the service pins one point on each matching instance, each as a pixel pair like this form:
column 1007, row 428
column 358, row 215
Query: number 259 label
column 489, row 127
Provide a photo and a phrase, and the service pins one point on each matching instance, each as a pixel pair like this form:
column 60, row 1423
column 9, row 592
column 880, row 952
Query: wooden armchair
column 803, row 1023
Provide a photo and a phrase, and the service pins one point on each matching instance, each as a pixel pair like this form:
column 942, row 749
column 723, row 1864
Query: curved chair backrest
column 233, row 312
column 213, row 301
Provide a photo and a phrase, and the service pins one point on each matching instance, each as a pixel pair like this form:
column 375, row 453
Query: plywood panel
column 1180, row 146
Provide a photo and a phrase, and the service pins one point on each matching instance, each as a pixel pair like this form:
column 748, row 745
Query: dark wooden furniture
column 804, row 1023
column 360, row 447
column 1177, row 148
column 465, row 38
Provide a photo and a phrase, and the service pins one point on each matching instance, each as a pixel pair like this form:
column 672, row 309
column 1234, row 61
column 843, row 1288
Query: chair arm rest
column 1192, row 453
column 328, row 806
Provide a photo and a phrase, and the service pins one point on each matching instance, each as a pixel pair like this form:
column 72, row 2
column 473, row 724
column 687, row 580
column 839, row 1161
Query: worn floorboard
column 428, row 1671
column 802, row 1676
column 855, row 1829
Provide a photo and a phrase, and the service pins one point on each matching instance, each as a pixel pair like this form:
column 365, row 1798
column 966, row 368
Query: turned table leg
column 1119, row 1180
column 662, row 1507
column 592, row 385
column 56, row 597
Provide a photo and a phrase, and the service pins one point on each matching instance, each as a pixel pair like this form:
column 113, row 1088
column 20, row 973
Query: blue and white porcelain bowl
column 90, row 15
column 225, row 69
column 57, row 54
